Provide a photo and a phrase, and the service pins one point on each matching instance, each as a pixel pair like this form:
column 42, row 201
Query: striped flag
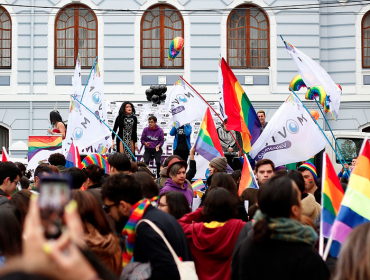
column 208, row 144
column 332, row 195
column 355, row 207
column 198, row 185
column 241, row 115
column 248, row 180
column 73, row 157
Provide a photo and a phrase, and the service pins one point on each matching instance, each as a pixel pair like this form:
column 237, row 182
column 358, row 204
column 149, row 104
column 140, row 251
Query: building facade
column 40, row 40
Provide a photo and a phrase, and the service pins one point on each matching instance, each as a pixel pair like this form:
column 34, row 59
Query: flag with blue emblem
column 290, row 136
column 184, row 104
column 84, row 127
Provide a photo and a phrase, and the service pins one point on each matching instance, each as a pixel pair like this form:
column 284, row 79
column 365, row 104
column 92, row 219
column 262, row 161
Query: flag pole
column 318, row 105
column 319, row 127
column 106, row 126
column 321, row 236
column 89, row 77
column 327, row 248
column 245, row 158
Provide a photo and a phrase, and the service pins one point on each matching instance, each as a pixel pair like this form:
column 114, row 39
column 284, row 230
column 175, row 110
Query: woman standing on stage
column 126, row 122
column 58, row 126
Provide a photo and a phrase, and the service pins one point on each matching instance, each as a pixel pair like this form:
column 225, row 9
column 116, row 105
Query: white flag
column 290, row 136
column 184, row 104
column 84, row 128
column 221, row 91
column 314, row 75
column 94, row 99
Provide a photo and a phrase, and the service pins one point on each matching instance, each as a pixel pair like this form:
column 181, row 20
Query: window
column 350, row 148
column 76, row 31
column 159, row 26
column 5, row 39
column 4, row 138
column 366, row 41
column 248, row 44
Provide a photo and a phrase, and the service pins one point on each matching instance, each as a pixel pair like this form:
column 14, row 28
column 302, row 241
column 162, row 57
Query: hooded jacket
column 211, row 244
column 310, row 207
column 154, row 136
column 170, row 186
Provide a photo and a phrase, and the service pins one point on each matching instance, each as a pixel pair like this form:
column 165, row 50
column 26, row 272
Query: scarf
column 288, row 230
column 137, row 212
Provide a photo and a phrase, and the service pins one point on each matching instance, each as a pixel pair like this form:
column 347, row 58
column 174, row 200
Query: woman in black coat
column 126, row 123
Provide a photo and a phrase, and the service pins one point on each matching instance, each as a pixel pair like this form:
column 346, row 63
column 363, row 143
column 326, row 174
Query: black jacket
column 3, row 197
column 273, row 259
column 149, row 246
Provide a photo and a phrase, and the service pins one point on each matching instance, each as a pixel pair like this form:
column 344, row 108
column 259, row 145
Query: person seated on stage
column 228, row 143
column 153, row 140
column 58, row 126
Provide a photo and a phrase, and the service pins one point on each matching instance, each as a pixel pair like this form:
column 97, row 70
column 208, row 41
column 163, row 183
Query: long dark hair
column 177, row 203
column 10, row 232
column 94, row 173
column 224, row 180
column 122, row 113
column 297, row 177
column 275, row 199
column 91, row 212
column 219, row 206
column 55, row 116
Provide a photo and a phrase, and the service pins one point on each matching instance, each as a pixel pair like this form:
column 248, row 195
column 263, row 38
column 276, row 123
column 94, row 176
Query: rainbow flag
column 332, row 195
column 38, row 143
column 198, row 185
column 241, row 115
column 208, row 144
column 97, row 159
column 248, row 180
column 73, row 158
column 355, row 207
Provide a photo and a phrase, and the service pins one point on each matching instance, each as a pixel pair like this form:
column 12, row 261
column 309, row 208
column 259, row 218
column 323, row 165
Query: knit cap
column 310, row 167
column 220, row 163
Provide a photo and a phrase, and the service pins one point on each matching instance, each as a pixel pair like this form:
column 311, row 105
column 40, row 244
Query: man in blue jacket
column 181, row 145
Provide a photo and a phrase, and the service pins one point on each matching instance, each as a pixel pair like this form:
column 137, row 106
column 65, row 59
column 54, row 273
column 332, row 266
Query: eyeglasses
column 161, row 205
column 151, row 122
column 107, row 207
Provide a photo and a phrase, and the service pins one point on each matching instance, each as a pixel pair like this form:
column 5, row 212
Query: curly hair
column 57, row 159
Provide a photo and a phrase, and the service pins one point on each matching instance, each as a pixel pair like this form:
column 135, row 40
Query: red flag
column 5, row 156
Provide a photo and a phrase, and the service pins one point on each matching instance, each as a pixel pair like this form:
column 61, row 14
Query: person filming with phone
column 153, row 139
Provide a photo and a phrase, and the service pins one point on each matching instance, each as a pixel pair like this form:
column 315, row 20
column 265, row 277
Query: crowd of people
column 133, row 224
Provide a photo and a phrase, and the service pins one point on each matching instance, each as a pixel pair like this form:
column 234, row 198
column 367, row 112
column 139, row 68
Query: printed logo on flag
column 271, row 148
column 292, row 126
column 77, row 133
column 182, row 98
column 96, row 97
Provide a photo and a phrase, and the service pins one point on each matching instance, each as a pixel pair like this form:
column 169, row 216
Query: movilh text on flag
column 355, row 207
column 241, row 115
column 290, row 136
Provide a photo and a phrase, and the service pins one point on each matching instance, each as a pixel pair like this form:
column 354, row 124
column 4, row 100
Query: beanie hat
column 220, row 163
column 310, row 167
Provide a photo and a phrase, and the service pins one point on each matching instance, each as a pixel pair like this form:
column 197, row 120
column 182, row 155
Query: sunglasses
column 108, row 207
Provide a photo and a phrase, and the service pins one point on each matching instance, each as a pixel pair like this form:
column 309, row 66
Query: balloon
column 165, row 89
column 152, row 86
column 175, row 47
column 149, row 92
column 163, row 97
column 162, row 89
column 315, row 114
column 155, row 98
column 178, row 43
column 149, row 98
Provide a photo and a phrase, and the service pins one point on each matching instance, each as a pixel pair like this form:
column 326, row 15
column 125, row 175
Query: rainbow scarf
column 137, row 212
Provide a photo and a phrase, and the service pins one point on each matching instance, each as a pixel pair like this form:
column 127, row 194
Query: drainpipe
column 32, row 62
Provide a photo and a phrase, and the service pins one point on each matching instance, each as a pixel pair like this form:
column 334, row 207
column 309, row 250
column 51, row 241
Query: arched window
column 366, row 40
column 76, row 31
column 248, row 43
column 4, row 138
column 5, row 39
column 160, row 24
